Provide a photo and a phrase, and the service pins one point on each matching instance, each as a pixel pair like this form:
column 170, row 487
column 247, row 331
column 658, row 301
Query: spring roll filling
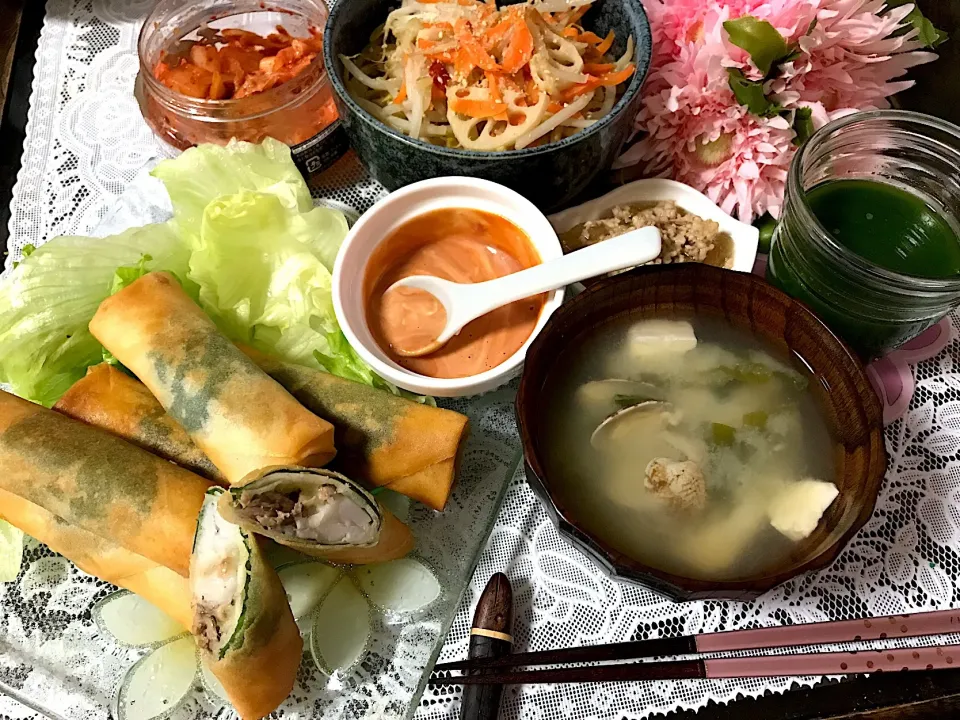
column 327, row 514
column 218, row 577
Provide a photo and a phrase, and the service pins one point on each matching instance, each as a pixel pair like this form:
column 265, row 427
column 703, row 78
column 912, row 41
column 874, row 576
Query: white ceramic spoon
column 464, row 302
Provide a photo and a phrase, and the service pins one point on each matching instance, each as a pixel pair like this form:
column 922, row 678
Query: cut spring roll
column 108, row 398
column 99, row 483
column 382, row 439
column 318, row 512
column 238, row 416
column 103, row 559
column 242, row 620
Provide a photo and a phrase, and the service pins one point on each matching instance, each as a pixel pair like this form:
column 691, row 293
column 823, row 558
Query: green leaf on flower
column 803, row 125
column 760, row 39
column 750, row 94
column 122, row 277
column 766, row 225
column 929, row 36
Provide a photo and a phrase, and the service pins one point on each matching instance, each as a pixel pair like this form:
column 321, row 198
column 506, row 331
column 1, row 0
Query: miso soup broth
column 687, row 446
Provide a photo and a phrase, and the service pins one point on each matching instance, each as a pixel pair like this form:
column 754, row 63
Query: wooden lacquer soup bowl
column 848, row 404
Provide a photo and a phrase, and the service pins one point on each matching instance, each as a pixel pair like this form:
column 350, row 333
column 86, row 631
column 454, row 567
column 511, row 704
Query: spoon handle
column 624, row 251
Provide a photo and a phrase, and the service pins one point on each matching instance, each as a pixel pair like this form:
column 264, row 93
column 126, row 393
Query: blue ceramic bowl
column 550, row 175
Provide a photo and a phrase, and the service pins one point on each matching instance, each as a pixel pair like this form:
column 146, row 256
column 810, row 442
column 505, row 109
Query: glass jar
column 300, row 112
column 872, row 308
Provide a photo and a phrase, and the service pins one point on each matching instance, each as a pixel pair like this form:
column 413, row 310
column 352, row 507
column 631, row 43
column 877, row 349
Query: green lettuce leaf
column 122, row 277
column 247, row 244
column 11, row 551
column 47, row 301
column 765, row 45
column 205, row 173
column 343, row 361
column 929, row 35
column 261, row 280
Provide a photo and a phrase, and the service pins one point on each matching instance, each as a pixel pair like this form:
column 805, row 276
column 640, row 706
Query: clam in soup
column 687, row 446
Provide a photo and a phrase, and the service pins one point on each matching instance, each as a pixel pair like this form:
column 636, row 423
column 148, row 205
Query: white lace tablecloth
column 85, row 143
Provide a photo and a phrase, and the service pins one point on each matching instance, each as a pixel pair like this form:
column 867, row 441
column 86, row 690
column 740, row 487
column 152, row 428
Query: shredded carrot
column 475, row 108
column 442, row 26
column 495, row 34
column 578, row 13
column 402, row 95
column 575, row 91
column 606, row 44
column 493, row 85
column 615, row 78
column 520, row 49
column 554, row 107
column 606, row 80
column 570, row 32
column 589, row 37
column 597, row 68
column 447, row 56
column 471, row 49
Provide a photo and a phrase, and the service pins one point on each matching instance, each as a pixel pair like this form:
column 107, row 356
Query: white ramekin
column 386, row 216
column 745, row 237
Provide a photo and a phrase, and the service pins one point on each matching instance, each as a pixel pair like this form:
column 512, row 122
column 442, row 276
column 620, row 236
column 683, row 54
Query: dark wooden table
column 907, row 696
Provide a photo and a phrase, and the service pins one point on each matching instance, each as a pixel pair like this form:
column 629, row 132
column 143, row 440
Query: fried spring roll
column 318, row 512
column 242, row 620
column 238, row 416
column 99, row 483
column 382, row 439
column 110, row 399
column 95, row 556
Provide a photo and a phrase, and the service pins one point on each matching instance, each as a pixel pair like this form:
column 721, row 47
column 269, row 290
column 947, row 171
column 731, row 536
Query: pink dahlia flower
column 695, row 130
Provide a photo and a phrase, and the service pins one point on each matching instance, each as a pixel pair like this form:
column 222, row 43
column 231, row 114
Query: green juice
column 890, row 227
column 883, row 224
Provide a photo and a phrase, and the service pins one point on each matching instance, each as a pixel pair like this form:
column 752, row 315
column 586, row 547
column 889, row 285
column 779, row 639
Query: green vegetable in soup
column 757, row 419
column 723, row 435
column 755, row 373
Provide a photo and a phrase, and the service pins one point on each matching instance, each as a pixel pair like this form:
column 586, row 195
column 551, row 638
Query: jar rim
column 178, row 102
column 797, row 197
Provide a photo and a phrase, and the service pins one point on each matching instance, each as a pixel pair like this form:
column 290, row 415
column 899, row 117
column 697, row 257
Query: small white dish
column 745, row 237
column 389, row 214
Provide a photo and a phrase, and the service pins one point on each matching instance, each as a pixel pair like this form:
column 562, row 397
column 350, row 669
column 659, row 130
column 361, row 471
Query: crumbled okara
column 796, row 510
column 681, row 484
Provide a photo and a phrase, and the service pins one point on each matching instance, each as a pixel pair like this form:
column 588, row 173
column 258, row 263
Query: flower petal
column 306, row 584
column 401, row 586
column 341, row 629
column 133, row 621
column 159, row 683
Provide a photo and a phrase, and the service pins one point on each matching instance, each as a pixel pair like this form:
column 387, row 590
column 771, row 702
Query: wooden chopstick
column 940, row 622
column 854, row 662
